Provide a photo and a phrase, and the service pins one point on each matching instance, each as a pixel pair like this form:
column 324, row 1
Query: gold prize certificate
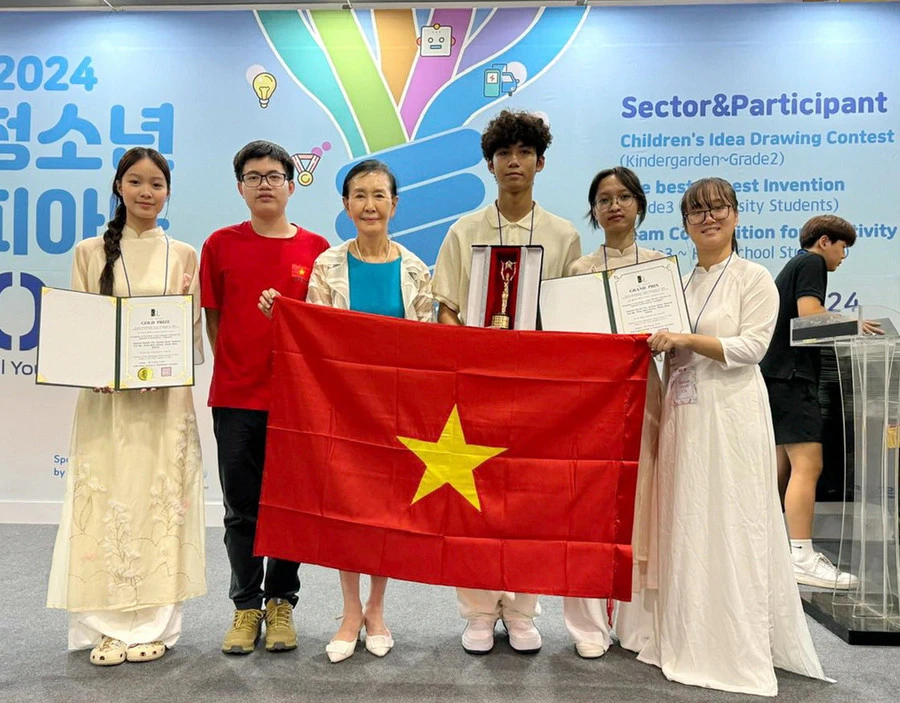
column 99, row 341
column 156, row 342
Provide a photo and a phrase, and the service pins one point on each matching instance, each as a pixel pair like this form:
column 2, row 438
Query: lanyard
column 165, row 273
column 712, row 290
column 500, row 224
column 606, row 261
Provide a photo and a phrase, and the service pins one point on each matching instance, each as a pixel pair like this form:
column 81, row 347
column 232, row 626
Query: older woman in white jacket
column 371, row 274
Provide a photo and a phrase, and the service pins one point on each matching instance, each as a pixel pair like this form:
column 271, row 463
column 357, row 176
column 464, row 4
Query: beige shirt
column 453, row 270
column 607, row 258
column 152, row 260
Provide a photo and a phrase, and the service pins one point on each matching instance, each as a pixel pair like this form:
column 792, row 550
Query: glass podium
column 867, row 346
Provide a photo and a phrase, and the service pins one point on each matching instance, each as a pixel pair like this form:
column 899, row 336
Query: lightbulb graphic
column 264, row 85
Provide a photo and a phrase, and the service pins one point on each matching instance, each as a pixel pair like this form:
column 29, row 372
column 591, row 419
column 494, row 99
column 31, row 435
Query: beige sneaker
column 280, row 633
column 244, row 632
column 109, row 652
column 145, row 652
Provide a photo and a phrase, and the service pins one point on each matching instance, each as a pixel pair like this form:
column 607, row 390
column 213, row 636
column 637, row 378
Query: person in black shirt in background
column 792, row 379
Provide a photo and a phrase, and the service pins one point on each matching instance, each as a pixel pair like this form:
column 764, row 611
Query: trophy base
column 500, row 322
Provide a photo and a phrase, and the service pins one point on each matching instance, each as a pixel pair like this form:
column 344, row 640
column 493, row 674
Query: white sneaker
column 819, row 571
column 523, row 635
column 478, row 637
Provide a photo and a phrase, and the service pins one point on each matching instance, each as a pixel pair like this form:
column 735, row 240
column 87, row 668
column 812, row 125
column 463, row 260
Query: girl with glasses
column 728, row 610
column 618, row 206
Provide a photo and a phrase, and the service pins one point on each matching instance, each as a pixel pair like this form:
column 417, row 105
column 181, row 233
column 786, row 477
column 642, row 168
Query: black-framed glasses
column 624, row 200
column 275, row 179
column 719, row 213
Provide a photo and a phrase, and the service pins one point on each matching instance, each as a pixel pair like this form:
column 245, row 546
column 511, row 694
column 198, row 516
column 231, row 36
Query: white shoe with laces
column 819, row 571
column 523, row 635
column 478, row 637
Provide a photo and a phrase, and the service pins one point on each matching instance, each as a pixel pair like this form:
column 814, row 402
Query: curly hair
column 510, row 128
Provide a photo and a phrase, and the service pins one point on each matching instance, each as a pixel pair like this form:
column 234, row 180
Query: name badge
column 684, row 385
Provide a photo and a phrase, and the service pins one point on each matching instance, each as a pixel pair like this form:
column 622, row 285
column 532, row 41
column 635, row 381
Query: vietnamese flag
column 461, row 456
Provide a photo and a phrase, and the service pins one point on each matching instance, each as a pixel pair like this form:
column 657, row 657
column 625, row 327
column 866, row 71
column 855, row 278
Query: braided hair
column 112, row 237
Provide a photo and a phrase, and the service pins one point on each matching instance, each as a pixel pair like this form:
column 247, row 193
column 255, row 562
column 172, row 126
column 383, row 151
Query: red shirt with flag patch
column 235, row 266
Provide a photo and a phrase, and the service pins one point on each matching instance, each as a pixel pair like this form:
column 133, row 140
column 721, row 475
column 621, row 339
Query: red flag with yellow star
column 461, row 456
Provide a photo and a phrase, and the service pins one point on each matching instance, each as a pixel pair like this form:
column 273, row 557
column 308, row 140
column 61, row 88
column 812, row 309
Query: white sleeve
column 447, row 271
column 573, row 253
column 758, row 315
column 318, row 292
column 424, row 302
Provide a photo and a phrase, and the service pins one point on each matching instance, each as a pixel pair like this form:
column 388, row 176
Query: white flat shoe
column 379, row 645
column 589, row 650
column 338, row 650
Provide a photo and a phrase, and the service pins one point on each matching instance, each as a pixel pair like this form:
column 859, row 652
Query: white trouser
column 157, row 624
column 634, row 620
column 499, row 604
column 587, row 620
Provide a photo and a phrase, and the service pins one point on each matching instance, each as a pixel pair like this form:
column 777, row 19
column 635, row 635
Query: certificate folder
column 96, row 341
column 637, row 299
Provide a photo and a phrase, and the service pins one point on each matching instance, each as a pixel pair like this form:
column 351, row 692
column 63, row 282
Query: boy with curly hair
column 513, row 145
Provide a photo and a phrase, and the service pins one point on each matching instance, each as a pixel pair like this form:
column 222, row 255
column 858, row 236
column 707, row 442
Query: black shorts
column 796, row 415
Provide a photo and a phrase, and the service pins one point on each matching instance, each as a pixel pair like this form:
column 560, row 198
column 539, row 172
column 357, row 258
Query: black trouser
column 241, row 440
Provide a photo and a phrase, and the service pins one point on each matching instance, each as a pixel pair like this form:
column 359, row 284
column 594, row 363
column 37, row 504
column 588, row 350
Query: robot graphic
column 436, row 40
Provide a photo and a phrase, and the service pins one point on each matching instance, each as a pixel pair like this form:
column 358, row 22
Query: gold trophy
column 500, row 321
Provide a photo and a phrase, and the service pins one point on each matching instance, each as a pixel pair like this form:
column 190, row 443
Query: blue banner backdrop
column 796, row 104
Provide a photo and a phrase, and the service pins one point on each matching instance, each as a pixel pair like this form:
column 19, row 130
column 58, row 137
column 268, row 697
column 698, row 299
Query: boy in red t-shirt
column 236, row 264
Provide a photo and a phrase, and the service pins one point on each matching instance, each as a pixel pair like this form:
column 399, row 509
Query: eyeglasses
column 718, row 213
column 624, row 200
column 275, row 179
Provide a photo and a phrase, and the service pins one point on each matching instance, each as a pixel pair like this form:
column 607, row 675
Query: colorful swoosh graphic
column 389, row 98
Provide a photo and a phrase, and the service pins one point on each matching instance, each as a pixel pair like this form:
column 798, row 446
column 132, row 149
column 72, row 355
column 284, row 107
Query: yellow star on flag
column 450, row 460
